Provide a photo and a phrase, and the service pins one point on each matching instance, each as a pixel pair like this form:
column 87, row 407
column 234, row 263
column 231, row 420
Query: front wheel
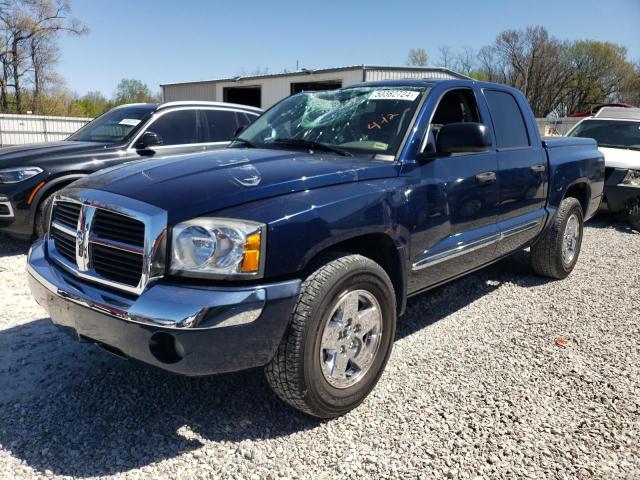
column 555, row 254
column 42, row 216
column 339, row 338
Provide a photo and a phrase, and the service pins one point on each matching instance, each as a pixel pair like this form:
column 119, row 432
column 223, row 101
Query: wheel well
column 580, row 191
column 42, row 195
column 381, row 249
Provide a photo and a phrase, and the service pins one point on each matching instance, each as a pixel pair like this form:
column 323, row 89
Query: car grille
column 65, row 245
column 111, row 248
column 4, row 210
column 119, row 228
column 67, row 213
column 118, row 265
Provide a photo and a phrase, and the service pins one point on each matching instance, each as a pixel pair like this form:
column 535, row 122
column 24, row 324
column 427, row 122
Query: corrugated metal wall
column 373, row 75
column 190, row 91
column 21, row 129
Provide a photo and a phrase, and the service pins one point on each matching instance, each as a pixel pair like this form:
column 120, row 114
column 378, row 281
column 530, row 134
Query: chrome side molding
column 472, row 246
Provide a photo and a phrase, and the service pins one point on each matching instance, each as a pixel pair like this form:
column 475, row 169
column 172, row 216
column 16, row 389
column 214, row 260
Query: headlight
column 18, row 174
column 632, row 178
column 218, row 247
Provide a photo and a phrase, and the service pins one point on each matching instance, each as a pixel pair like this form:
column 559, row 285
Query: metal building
column 265, row 90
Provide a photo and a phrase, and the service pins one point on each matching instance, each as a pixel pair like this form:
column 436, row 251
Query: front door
column 455, row 209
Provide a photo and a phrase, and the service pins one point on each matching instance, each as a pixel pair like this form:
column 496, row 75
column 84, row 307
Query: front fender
column 50, row 187
column 301, row 225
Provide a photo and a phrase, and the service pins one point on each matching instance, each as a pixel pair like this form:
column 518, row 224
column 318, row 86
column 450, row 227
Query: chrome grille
column 65, row 245
column 117, row 265
column 67, row 213
column 119, row 228
column 108, row 239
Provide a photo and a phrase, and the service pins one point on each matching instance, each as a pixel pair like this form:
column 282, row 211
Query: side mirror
column 148, row 140
column 463, row 138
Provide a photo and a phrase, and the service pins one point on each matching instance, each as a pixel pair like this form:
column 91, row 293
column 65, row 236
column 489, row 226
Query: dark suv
column 31, row 174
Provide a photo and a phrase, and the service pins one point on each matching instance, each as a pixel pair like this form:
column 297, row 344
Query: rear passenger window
column 508, row 122
column 221, row 125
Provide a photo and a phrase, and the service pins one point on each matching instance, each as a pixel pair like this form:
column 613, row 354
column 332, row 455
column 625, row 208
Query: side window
column 456, row 106
column 176, row 128
column 245, row 119
column 511, row 131
column 220, row 124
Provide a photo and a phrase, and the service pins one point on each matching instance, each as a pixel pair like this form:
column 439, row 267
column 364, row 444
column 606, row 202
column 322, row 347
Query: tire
column 299, row 373
column 634, row 222
column 40, row 223
column 547, row 257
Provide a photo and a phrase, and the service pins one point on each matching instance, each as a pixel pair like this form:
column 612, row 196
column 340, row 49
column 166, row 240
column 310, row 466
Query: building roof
column 445, row 72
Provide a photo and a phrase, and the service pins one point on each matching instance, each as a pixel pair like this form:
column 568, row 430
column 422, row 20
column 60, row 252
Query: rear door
column 457, row 212
column 220, row 126
column 522, row 169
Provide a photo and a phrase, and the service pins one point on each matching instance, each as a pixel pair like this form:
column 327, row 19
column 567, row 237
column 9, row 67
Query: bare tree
column 445, row 56
column 417, row 57
column 465, row 61
column 26, row 25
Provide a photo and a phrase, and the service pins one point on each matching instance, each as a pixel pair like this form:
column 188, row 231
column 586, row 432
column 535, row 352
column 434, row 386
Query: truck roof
column 618, row 113
column 427, row 82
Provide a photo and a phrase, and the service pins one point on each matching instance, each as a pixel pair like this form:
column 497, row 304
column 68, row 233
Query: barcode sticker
column 132, row 122
column 404, row 95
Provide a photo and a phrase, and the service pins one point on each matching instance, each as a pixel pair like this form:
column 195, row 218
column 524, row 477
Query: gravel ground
column 476, row 387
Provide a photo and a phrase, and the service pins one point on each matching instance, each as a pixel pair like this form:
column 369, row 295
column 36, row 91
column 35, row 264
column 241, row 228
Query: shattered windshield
column 364, row 120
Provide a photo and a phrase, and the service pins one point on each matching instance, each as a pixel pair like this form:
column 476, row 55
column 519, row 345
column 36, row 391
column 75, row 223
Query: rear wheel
column 555, row 254
column 339, row 339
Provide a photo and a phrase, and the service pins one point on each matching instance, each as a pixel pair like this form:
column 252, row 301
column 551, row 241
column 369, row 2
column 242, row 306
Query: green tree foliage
column 133, row 91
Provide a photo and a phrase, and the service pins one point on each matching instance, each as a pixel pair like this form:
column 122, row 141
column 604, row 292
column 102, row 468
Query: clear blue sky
column 163, row 41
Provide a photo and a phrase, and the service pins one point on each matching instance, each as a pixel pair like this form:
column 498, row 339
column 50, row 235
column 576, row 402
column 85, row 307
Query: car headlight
column 18, row 174
column 218, row 247
column 632, row 178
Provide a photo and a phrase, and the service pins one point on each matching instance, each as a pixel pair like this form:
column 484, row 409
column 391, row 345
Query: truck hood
column 621, row 158
column 44, row 154
column 191, row 185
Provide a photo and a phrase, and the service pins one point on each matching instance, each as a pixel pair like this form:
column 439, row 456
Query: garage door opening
column 315, row 86
column 251, row 96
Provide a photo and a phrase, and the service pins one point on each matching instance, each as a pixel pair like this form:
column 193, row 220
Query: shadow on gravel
column 429, row 307
column 605, row 220
column 11, row 246
column 73, row 410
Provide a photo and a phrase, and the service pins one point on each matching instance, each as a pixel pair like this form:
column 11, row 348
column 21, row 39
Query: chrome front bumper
column 187, row 329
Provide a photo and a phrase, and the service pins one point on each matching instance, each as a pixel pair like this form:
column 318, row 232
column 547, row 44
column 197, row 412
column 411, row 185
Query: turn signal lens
column 251, row 258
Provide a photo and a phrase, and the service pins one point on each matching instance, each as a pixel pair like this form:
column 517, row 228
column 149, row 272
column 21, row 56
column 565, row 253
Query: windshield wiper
column 242, row 141
column 300, row 142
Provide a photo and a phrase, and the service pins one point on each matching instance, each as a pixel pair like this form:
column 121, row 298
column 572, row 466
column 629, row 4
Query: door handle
column 486, row 178
column 539, row 168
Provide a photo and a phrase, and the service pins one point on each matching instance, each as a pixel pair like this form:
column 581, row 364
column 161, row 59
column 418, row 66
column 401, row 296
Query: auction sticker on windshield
column 131, row 122
column 406, row 95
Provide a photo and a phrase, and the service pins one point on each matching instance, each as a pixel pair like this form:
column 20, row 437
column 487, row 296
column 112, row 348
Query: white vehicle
column 617, row 131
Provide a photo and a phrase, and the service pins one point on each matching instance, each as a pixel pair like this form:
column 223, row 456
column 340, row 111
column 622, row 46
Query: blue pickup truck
column 296, row 247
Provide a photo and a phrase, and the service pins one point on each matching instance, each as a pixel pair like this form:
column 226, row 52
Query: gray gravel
column 476, row 388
